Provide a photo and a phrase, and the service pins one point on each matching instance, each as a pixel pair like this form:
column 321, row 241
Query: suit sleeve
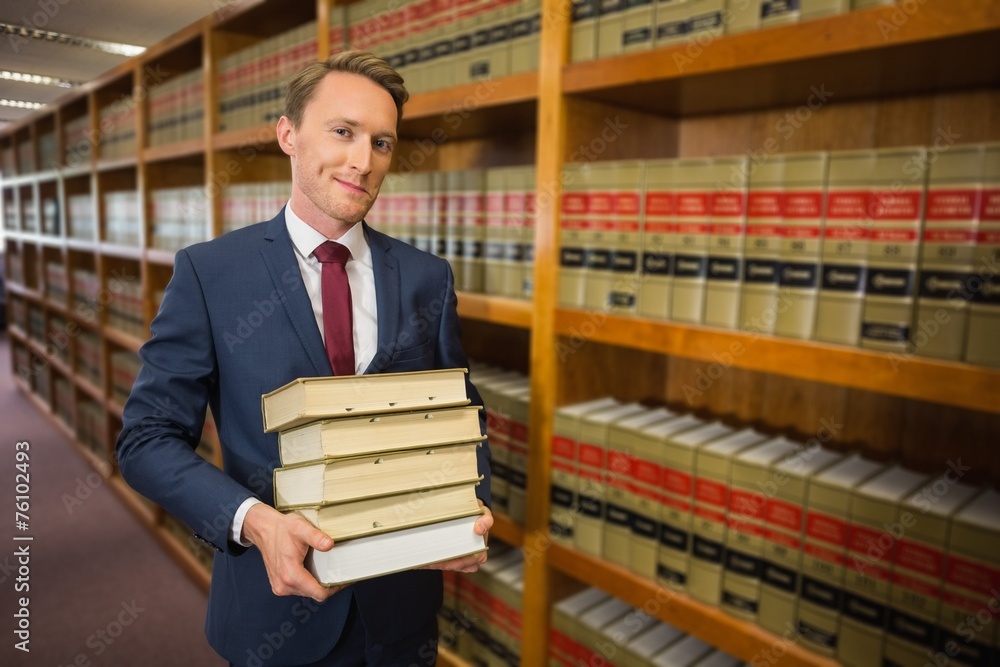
column 165, row 412
column 451, row 355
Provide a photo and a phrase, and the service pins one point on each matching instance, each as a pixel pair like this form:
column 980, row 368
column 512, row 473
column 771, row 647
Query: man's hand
column 284, row 540
column 469, row 564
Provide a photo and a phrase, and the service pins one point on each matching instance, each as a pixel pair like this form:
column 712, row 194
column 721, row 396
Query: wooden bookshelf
column 897, row 73
column 920, row 378
column 734, row 636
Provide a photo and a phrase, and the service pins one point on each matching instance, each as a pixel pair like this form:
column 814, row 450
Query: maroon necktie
column 338, row 316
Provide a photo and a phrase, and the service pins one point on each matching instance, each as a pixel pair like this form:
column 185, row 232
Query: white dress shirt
column 361, row 277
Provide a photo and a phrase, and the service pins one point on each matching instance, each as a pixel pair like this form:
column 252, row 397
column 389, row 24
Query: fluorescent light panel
column 24, row 32
column 37, row 79
column 20, row 104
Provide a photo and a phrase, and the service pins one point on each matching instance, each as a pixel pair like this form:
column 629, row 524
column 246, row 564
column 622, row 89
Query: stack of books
column 384, row 464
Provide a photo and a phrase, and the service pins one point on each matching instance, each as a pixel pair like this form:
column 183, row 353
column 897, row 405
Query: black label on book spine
column 480, row 38
column 499, row 469
column 779, row 577
column 494, row 250
column 965, row 652
column 514, row 252
column 621, row 299
column 706, row 21
column 479, row 69
column 673, row 29
column 723, row 268
column 864, row 610
column 619, row 516
column 760, row 271
column 637, row 36
column 912, row 629
column 598, row 259
column 609, row 7
column 985, row 291
column 886, row 332
column 584, row 9
column 427, row 53
column 821, row 594
column 561, row 496
column 529, row 253
column 560, row 530
column 843, row 277
column 499, row 33
column 462, row 43
column 707, row 550
column 674, row 539
column 689, row 266
column 889, row 282
column 442, row 247
column 444, row 48
column 817, row 636
column 624, row 261
column 657, row 264
column 520, row 28
column 737, row 602
column 592, row 507
column 743, row 564
column 572, row 257
column 474, row 250
column 944, row 285
column 670, row 575
column 778, row 7
column 643, row 526
column 798, row 274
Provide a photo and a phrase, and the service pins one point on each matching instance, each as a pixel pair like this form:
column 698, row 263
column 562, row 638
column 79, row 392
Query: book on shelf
column 685, row 652
column 711, row 502
column 896, row 211
column 573, row 226
column 593, row 621
column 801, row 243
column 565, row 466
column 657, row 239
column 845, row 247
column 971, row 584
column 871, row 544
column 583, row 30
column 338, row 480
column 639, row 651
column 311, row 398
column 695, row 180
column 916, row 588
column 564, row 631
column 606, row 182
column 984, row 312
column 592, row 453
column 382, row 514
column 494, row 232
column 682, row 438
column 951, row 219
column 400, row 550
column 517, row 182
column 748, row 498
column 622, row 486
column 498, row 428
column 824, row 552
column 762, row 245
column 726, row 229
column 519, row 404
column 784, row 530
column 473, row 224
column 360, row 436
column 649, row 471
column 812, row 9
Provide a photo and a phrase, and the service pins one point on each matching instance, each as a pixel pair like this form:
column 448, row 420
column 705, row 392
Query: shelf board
column 145, row 514
column 114, row 407
column 448, row 659
column 950, row 383
column 161, row 257
column 710, row 624
column 17, row 332
column 184, row 558
column 81, row 245
column 89, row 388
column 122, row 251
column 21, row 290
column 480, row 108
column 59, row 308
column 257, row 135
column 941, row 46
column 187, row 148
column 116, row 163
column 74, row 172
column 59, row 365
column 507, row 530
column 122, row 339
column 495, row 309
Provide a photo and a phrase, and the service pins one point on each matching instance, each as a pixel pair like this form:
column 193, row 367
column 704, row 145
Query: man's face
column 340, row 150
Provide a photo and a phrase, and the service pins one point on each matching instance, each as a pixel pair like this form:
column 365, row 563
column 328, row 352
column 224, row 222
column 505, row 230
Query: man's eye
column 342, row 131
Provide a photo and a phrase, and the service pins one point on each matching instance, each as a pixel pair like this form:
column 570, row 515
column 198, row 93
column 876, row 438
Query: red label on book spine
column 591, row 455
column 847, row 204
column 919, row 558
column 953, row 205
column 660, row 203
column 765, row 204
column 711, row 492
column 747, row 504
column 677, row 482
column 784, row 514
column 826, row 528
column 562, row 447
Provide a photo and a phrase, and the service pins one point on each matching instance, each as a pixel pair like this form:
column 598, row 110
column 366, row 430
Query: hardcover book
column 727, row 225
column 984, row 313
column 311, row 398
column 658, row 228
column 695, row 182
column 762, row 245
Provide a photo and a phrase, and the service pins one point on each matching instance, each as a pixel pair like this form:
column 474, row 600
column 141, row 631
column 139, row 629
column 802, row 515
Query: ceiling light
column 115, row 48
column 20, row 104
column 36, row 79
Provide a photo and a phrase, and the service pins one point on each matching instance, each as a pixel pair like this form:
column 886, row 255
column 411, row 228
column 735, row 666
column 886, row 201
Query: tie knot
column 329, row 252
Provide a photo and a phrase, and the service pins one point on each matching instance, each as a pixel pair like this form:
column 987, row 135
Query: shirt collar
column 306, row 238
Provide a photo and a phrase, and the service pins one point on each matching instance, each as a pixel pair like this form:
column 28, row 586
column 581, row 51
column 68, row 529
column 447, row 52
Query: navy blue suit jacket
column 236, row 322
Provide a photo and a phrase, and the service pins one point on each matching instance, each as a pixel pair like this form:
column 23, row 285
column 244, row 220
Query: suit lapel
column 279, row 257
column 387, row 281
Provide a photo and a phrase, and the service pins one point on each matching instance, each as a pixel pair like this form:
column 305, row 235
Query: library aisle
column 102, row 591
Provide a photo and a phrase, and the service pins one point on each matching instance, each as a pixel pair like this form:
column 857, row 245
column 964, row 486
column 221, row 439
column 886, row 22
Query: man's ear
column 286, row 135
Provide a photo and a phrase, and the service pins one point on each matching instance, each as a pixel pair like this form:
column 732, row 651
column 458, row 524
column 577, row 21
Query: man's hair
column 303, row 85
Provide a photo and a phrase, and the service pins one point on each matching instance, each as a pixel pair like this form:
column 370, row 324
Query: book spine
column 784, row 524
column 823, row 563
column 984, row 311
column 727, row 226
column 624, row 241
column 644, row 527
column 845, row 255
column 744, row 560
column 572, row 254
column 656, row 286
column 675, row 527
column 691, row 258
column 708, row 532
column 596, row 241
column 799, row 267
column 591, row 494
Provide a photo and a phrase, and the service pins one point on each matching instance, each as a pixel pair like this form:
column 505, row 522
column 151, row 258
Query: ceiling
column 124, row 21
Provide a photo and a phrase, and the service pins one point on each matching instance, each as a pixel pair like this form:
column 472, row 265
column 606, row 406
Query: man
column 246, row 313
